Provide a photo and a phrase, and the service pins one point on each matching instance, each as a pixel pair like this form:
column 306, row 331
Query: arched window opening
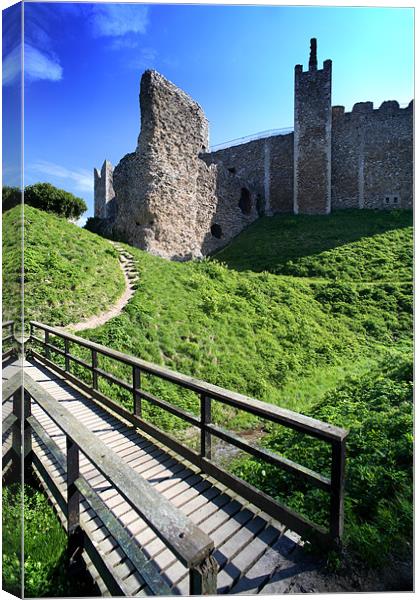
column 245, row 201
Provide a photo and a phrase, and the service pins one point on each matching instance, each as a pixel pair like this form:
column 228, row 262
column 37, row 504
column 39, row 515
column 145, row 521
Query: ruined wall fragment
column 170, row 202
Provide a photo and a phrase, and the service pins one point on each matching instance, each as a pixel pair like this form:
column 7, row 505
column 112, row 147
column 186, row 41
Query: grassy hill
column 70, row 273
column 358, row 245
column 281, row 338
column 314, row 314
column 311, row 313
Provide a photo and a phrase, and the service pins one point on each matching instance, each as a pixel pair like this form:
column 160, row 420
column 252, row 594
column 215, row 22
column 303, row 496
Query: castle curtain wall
column 267, row 166
column 372, row 157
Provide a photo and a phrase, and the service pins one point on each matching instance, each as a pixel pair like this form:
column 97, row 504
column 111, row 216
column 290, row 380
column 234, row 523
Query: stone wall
column 104, row 194
column 227, row 204
column 267, row 167
column 170, row 202
column 372, row 156
column 156, row 186
column 173, row 198
column 312, row 138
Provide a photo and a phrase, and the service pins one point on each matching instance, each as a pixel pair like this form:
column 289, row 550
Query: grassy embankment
column 311, row 313
column 70, row 274
column 323, row 328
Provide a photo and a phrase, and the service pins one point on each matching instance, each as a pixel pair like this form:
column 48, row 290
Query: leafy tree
column 51, row 199
column 11, row 196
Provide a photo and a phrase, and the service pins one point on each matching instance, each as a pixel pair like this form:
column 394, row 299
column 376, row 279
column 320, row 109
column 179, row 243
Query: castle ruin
column 174, row 198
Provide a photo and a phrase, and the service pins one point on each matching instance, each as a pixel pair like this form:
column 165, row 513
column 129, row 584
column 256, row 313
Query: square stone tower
column 103, row 191
column 312, row 137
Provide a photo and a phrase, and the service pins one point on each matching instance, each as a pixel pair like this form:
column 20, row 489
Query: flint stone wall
column 173, row 198
column 312, row 140
column 372, row 156
column 169, row 200
column 267, row 166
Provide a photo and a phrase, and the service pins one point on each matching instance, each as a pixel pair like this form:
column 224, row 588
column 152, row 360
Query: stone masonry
column 312, row 137
column 104, row 192
column 169, row 201
column 174, row 198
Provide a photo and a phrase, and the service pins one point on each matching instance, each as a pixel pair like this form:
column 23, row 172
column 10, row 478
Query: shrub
column 11, row 196
column 51, row 199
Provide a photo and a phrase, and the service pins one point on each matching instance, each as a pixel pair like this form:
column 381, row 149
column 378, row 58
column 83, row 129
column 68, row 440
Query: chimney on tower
column 313, row 61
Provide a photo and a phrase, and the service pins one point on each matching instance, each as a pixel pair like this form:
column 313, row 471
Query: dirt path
column 131, row 276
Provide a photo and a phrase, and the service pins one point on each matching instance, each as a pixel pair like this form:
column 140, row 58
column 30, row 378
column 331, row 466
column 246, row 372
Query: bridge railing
column 8, row 339
column 178, row 532
column 208, row 393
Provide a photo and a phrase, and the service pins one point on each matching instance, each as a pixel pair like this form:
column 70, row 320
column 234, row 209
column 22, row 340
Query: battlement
column 388, row 108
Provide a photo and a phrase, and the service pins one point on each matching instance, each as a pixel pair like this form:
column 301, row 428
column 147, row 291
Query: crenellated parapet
column 372, row 156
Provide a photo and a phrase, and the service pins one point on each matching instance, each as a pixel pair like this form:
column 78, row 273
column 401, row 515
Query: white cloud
column 39, row 65
column 145, row 58
column 116, row 20
column 81, row 178
column 12, row 67
column 117, row 43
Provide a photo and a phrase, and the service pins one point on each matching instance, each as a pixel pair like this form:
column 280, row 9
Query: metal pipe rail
column 185, row 539
column 208, row 393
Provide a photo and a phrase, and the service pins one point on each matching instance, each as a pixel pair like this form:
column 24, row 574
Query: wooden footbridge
column 148, row 514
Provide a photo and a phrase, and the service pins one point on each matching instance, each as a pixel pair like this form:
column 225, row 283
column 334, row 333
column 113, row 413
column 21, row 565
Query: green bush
column 11, row 196
column 51, row 199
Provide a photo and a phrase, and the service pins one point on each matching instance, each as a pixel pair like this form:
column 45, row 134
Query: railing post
column 205, row 407
column 47, row 341
column 66, row 355
column 203, row 578
column 21, row 436
column 136, row 395
column 17, row 436
column 337, row 489
column 94, row 371
column 27, row 437
column 73, row 502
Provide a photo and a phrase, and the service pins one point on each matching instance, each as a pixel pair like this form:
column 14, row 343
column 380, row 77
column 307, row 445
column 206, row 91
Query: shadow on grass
column 271, row 243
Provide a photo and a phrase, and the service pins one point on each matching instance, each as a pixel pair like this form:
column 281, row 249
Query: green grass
column 45, row 541
column 377, row 410
column 45, row 548
column 70, row 273
column 300, row 312
column 285, row 340
column 352, row 245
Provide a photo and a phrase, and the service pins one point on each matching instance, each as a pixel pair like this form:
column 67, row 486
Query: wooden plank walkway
column 255, row 554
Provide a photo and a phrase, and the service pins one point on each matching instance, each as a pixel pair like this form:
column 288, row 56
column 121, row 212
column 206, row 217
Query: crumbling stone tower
column 312, row 137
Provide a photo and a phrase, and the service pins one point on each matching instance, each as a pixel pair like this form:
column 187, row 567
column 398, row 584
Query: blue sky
column 83, row 64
